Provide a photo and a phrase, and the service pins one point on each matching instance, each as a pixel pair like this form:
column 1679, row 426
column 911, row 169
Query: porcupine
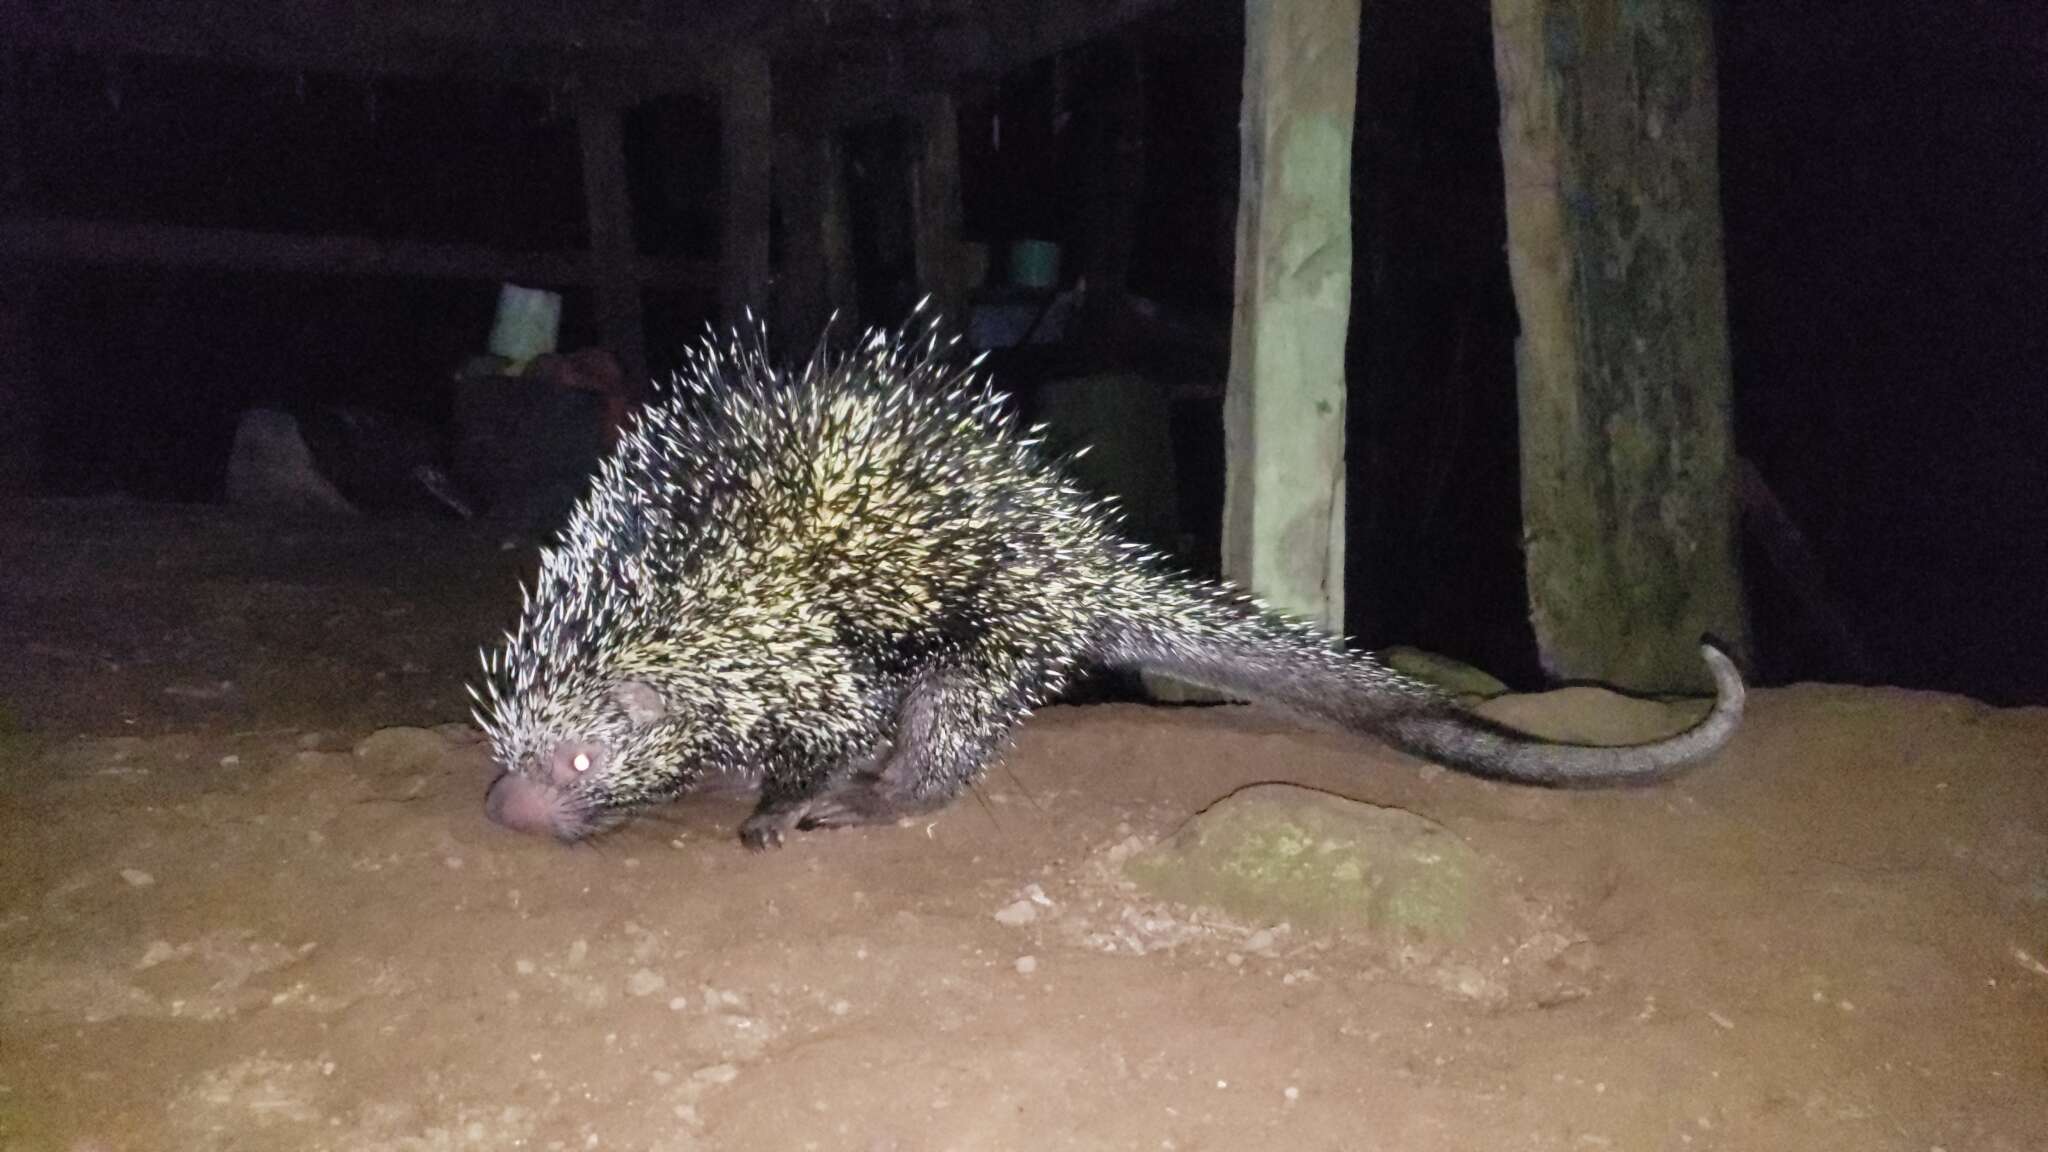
column 846, row 585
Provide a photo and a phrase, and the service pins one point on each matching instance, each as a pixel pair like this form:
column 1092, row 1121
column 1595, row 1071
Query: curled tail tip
column 1728, row 684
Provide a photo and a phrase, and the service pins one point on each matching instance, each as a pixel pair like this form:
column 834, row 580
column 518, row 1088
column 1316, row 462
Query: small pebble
column 646, row 982
column 716, row 1074
column 523, row 966
column 230, row 761
column 1292, row 1093
column 678, row 1003
column 1021, row 912
column 1026, row 965
column 137, row 878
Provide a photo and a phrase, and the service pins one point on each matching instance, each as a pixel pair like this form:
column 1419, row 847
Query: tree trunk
column 1608, row 135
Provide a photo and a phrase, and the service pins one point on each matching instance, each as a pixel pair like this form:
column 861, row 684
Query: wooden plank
column 608, row 203
column 862, row 77
column 521, row 41
column 936, row 210
column 103, row 242
column 747, row 155
column 1608, row 135
column 1283, row 525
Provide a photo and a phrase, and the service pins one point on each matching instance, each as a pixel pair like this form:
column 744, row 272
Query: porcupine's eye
column 574, row 760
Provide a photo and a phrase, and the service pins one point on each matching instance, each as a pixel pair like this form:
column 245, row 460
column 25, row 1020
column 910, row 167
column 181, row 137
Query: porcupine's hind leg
column 951, row 725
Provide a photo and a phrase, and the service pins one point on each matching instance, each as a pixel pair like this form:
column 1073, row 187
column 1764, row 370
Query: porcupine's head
column 581, row 739
column 590, row 709
column 631, row 676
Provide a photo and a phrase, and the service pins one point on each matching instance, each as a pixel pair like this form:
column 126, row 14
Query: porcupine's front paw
column 770, row 825
column 861, row 800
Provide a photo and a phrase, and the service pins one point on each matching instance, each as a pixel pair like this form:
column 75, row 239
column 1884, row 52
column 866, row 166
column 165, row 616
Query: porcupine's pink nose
column 524, row 804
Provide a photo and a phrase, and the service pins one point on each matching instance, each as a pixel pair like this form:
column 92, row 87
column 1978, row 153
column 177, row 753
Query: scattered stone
column 646, row 982
column 1273, row 852
column 219, row 690
column 399, row 750
column 1020, row 913
column 1455, row 677
column 137, row 878
column 1026, row 965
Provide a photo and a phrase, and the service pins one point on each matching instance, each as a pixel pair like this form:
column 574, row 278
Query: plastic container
column 1034, row 264
column 528, row 323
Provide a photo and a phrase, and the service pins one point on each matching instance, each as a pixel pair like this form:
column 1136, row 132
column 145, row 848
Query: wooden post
column 747, row 152
column 842, row 288
column 935, row 207
column 1114, row 183
column 815, row 279
column 1608, row 134
column 20, row 401
column 614, row 254
column 1283, row 410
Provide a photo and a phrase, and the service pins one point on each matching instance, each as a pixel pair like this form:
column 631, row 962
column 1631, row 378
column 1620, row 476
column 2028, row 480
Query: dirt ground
column 250, row 901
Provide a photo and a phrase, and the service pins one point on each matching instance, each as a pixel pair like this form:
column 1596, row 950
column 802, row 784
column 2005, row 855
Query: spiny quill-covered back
column 753, row 530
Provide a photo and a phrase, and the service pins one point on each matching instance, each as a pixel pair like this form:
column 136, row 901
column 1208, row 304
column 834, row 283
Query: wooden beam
column 862, row 77
column 1609, row 138
column 1283, row 414
column 519, row 41
column 62, row 241
column 747, row 155
column 935, row 208
column 608, row 204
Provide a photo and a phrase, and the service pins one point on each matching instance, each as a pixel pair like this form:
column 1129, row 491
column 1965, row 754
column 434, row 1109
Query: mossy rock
column 1453, row 676
column 1275, row 853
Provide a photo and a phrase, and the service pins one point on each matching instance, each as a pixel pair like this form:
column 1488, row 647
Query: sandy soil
column 249, row 901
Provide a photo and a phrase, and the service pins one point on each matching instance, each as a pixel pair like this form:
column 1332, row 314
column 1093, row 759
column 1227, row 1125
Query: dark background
column 1886, row 205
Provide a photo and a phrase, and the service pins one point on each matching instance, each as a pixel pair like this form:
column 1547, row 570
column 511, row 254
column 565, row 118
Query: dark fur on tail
column 1206, row 635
